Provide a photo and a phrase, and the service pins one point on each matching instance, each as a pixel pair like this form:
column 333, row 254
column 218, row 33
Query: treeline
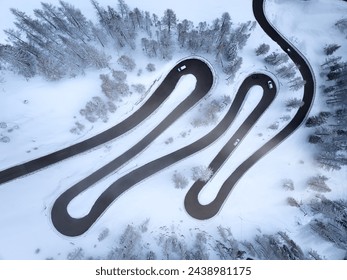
column 277, row 61
column 331, row 126
column 60, row 41
column 329, row 222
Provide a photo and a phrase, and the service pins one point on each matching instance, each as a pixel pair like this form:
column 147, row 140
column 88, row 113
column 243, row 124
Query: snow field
column 256, row 205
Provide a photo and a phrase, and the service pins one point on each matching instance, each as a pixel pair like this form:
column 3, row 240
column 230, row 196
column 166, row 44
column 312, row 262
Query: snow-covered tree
column 79, row 25
column 232, row 68
column 119, row 76
column 123, row 9
column 331, row 220
column 294, row 103
column 139, row 88
column 208, row 114
column 318, row 183
column 150, row 67
column 137, row 19
column 262, row 49
column 193, row 43
column 179, row 180
column 169, row 20
column 60, row 41
column 201, row 173
column 240, row 35
column 331, row 61
column 318, row 120
column 183, row 31
column 224, row 30
column 287, row 71
column 330, row 158
column 77, row 254
column 20, row 60
column 288, row 184
column 293, row 202
column 274, row 247
column 276, row 59
column 150, row 47
column 165, row 45
column 330, row 49
column 109, row 87
column 173, row 247
column 296, row 83
column 199, row 249
column 95, row 109
column 127, row 63
column 103, row 234
column 128, row 247
column 342, row 25
column 226, row 247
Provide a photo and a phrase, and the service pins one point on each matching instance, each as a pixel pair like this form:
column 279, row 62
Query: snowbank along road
column 70, row 226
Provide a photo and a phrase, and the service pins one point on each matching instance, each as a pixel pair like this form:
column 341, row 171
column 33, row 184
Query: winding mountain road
column 206, row 211
column 70, row 226
column 195, row 67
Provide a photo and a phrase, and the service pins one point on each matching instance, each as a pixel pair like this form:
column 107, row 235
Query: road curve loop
column 192, row 204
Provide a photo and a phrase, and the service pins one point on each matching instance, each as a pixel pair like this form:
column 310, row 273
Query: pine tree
column 342, row 25
column 276, row 59
column 169, row 20
column 294, row 103
column 179, row 180
column 80, row 27
column 318, row 183
column 127, row 63
column 330, row 49
column 331, row 224
column 165, row 45
column 20, row 61
column 128, row 247
column 240, row 35
column 183, row 30
column 202, row 173
column 296, row 83
column 262, row 49
column 287, row 71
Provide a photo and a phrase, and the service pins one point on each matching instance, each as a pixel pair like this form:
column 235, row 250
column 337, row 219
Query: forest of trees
column 329, row 222
column 60, row 41
column 330, row 126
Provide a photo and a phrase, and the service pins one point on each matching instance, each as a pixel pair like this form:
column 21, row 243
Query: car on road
column 236, row 142
column 181, row 68
column 270, row 85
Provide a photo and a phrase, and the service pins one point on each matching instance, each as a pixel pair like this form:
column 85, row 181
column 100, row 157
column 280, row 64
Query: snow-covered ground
column 42, row 113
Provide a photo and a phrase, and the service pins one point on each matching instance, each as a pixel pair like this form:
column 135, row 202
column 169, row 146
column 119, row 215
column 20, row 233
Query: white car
column 270, row 85
column 181, row 68
column 236, row 142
